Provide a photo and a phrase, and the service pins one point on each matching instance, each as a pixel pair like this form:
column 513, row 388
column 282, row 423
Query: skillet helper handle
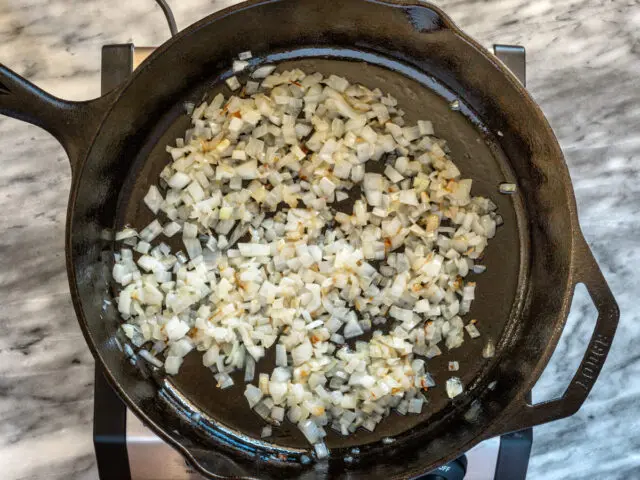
column 71, row 123
column 587, row 272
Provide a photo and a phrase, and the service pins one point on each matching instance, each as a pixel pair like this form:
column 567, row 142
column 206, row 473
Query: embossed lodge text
column 593, row 362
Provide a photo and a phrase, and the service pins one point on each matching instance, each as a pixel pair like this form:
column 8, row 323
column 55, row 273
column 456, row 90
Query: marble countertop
column 583, row 69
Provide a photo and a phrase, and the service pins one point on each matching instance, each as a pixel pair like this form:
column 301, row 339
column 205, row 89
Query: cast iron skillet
column 412, row 50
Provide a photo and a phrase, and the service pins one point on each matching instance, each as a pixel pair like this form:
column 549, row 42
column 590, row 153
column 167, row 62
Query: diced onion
column 281, row 355
column 263, row 71
column 250, row 369
column 150, row 358
column 508, row 188
column 171, row 228
column 294, row 242
column 233, row 83
column 125, row 233
column 239, row 65
column 254, row 249
column 151, row 231
column 253, row 395
column 489, row 349
column 153, row 199
column 454, row 387
column 321, row 450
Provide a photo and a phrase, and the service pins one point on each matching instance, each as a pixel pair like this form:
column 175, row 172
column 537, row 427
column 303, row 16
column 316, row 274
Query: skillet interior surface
column 425, row 63
column 475, row 153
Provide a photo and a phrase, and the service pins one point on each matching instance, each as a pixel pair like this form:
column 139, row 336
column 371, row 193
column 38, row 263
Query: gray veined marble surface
column 583, row 69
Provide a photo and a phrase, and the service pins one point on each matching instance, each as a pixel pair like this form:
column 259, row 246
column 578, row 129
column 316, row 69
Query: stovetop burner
column 127, row 450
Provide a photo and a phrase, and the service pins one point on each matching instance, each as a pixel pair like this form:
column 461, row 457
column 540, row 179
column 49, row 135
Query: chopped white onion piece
column 415, row 405
column 281, row 355
column 250, row 369
column 352, row 329
column 253, row 395
column 151, row 231
column 125, row 233
column 153, row 199
column 254, row 249
column 224, row 381
column 454, row 387
column 321, row 450
column 392, row 174
column 472, row 330
column 233, row 83
column 239, row 66
column 508, row 188
column 150, row 358
column 171, row 228
column 425, row 127
column 489, row 349
column 263, row 71
column 172, row 365
column 311, row 431
column 179, row 180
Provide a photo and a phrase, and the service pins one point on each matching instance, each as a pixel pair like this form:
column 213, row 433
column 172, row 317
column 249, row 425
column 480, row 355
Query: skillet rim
column 528, row 102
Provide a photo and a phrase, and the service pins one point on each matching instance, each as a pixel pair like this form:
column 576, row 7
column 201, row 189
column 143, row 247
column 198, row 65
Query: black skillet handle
column 586, row 271
column 73, row 124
